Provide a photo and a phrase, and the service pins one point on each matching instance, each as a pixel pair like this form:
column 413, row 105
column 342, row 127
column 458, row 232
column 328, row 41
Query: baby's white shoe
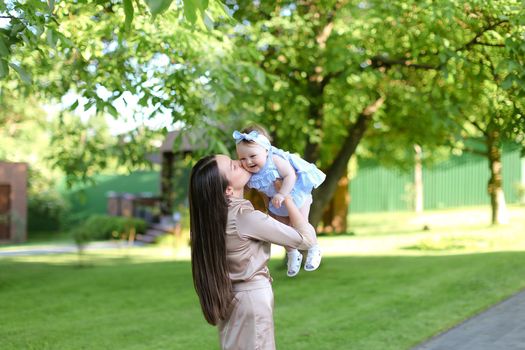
column 313, row 259
column 294, row 258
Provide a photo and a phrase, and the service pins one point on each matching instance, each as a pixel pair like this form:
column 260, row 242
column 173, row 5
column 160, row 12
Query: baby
column 268, row 164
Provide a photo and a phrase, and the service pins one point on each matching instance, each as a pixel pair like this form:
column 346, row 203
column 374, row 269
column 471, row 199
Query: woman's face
column 236, row 175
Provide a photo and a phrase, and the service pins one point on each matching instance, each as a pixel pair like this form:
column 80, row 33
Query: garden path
column 501, row 327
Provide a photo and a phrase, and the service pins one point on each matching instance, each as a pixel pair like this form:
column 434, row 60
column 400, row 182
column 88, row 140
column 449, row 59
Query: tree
column 25, row 138
column 85, row 50
column 339, row 70
column 326, row 76
column 489, row 105
column 36, row 24
column 496, row 116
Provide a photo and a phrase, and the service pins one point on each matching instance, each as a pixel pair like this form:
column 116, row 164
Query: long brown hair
column 208, row 216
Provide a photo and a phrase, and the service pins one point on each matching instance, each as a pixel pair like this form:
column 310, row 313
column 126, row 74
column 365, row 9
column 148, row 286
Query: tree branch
column 474, row 40
column 325, row 33
column 489, row 44
column 372, row 108
column 477, row 126
column 385, row 62
column 475, row 151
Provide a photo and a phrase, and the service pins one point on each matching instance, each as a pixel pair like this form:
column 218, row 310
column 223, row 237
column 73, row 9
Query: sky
column 131, row 114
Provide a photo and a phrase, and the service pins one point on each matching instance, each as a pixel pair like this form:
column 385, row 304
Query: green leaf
column 26, row 78
column 158, row 6
column 4, row 49
column 208, row 21
column 202, row 4
column 4, row 69
column 52, row 38
column 73, row 106
column 128, row 10
column 51, row 4
column 16, row 28
column 507, row 83
column 88, row 105
column 112, row 110
column 260, row 77
column 190, row 11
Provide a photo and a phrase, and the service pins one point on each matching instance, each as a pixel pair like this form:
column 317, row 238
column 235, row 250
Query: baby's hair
column 256, row 127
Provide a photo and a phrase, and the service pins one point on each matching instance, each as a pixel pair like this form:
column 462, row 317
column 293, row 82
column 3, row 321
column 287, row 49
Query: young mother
column 230, row 249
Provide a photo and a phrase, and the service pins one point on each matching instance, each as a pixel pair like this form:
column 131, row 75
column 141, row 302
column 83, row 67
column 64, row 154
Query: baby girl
column 299, row 177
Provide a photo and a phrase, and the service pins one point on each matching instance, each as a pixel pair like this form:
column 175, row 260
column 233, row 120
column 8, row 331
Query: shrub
column 103, row 227
column 46, row 211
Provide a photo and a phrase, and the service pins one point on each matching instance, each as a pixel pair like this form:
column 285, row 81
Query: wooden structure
column 142, row 205
column 13, row 202
column 176, row 145
column 158, row 211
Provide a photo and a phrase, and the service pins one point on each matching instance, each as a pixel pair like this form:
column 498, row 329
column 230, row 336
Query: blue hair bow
column 239, row 136
column 252, row 136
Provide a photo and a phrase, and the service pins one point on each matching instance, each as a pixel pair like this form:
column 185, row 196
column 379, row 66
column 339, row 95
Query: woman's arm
column 257, row 225
column 287, row 172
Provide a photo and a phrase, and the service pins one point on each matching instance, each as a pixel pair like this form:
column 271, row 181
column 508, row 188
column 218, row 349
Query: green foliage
column 83, row 50
column 129, row 11
column 103, row 227
column 325, row 63
column 46, row 211
column 158, row 6
column 25, row 137
column 35, row 24
column 83, row 149
column 307, row 71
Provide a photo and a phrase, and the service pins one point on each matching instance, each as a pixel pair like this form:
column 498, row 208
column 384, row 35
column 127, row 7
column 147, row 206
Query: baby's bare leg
column 305, row 210
column 313, row 259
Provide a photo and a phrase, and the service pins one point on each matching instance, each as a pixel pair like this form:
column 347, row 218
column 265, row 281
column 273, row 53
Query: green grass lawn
column 374, row 290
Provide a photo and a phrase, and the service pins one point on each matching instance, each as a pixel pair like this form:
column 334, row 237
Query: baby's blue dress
column 308, row 178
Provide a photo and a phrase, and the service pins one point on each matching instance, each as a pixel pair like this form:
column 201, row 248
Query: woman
column 230, row 249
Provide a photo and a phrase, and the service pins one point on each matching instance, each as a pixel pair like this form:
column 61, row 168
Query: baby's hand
column 277, row 200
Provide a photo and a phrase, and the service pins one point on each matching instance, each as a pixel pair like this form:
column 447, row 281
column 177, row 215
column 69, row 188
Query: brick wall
column 15, row 175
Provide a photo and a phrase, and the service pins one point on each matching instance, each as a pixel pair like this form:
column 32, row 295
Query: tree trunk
column 334, row 215
column 324, row 193
column 418, row 180
column 495, row 188
column 166, row 183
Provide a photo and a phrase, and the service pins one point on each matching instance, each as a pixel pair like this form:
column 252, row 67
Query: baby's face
column 252, row 156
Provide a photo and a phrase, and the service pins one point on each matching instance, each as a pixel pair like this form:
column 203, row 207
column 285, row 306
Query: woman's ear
column 229, row 191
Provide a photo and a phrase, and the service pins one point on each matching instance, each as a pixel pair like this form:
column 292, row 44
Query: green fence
column 459, row 181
